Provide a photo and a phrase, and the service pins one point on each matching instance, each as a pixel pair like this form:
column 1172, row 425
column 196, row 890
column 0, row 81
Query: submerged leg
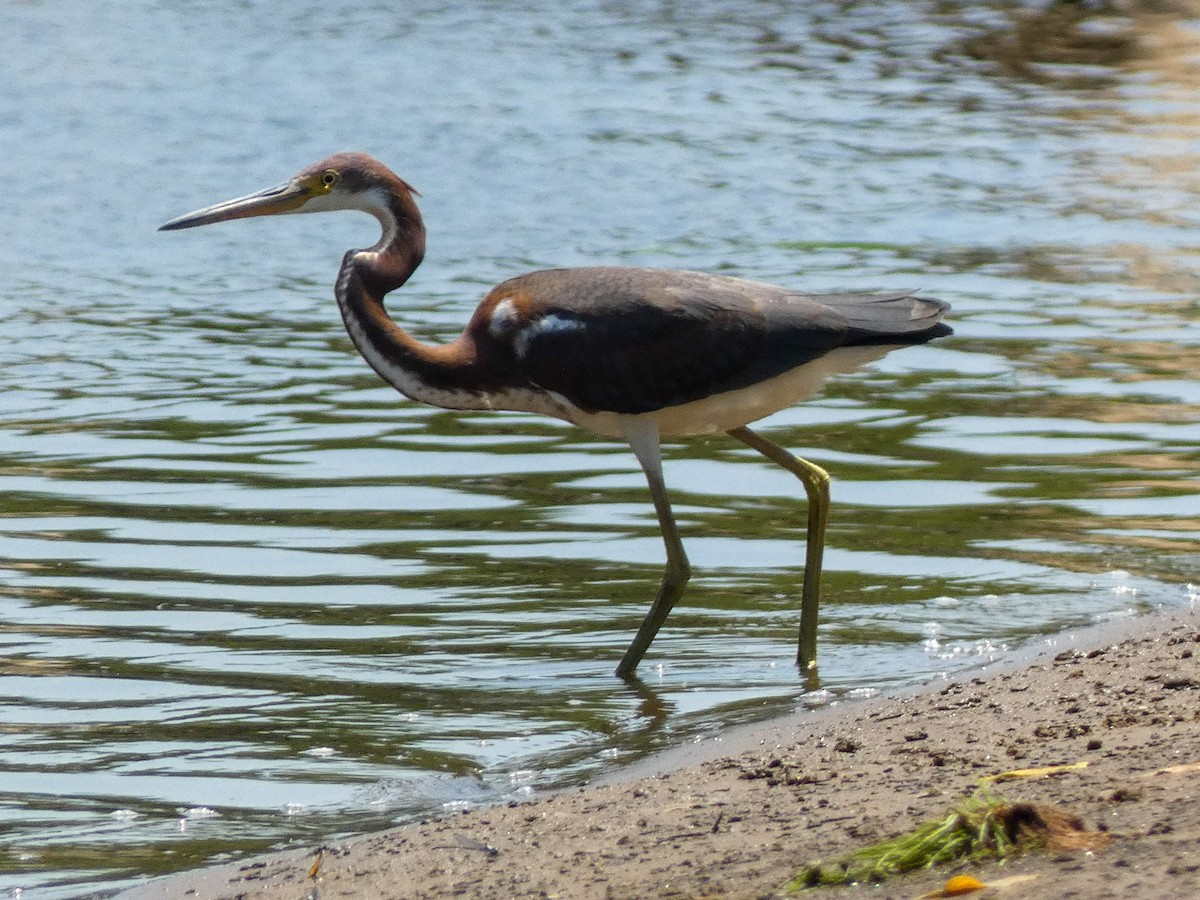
column 816, row 484
column 643, row 438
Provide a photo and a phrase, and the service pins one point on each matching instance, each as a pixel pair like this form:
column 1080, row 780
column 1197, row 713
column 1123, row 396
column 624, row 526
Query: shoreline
column 736, row 815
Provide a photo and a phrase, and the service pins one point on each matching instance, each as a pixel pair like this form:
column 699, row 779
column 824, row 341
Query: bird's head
column 343, row 181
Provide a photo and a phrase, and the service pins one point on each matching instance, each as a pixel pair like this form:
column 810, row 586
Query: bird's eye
column 329, row 179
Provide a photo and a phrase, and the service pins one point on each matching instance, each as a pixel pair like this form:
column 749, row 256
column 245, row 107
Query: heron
column 636, row 354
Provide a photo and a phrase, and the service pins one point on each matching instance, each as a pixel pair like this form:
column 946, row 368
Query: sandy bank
column 736, row 817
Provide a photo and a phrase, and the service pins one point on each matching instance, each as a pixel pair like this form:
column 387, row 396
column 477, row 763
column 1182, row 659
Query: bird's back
column 631, row 340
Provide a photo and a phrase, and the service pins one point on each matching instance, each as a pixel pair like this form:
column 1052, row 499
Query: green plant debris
column 984, row 826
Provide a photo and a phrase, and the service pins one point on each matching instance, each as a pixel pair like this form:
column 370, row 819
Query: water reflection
column 238, row 576
column 1071, row 45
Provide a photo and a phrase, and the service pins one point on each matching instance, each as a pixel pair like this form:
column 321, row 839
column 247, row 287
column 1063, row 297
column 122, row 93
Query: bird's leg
column 643, row 438
column 816, row 484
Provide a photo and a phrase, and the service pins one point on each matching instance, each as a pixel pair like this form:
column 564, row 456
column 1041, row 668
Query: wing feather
column 637, row 340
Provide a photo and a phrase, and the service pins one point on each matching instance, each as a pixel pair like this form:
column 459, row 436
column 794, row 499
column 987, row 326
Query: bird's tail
column 890, row 318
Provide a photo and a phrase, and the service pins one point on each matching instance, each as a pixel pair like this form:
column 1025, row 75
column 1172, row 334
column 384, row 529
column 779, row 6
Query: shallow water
column 248, row 595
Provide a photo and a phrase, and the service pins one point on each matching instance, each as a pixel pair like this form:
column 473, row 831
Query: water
column 250, row 596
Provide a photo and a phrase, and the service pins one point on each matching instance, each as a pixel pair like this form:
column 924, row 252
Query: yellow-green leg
column 816, row 484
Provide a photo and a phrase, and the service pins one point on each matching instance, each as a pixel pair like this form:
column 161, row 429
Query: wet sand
column 735, row 817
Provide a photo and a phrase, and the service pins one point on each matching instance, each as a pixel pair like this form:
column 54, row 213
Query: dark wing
column 638, row 340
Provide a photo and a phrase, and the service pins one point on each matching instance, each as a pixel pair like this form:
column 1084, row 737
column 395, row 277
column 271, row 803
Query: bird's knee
column 823, row 481
column 818, row 481
column 678, row 572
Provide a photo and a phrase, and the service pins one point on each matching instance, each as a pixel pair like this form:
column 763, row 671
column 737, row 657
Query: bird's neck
column 400, row 248
column 445, row 376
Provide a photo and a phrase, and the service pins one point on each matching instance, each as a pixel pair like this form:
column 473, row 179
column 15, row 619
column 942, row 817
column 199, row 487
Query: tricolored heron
column 638, row 354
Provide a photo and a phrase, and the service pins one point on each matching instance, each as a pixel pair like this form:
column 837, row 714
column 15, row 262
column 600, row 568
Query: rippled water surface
column 249, row 595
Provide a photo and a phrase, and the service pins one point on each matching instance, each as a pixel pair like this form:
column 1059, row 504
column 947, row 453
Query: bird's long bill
column 284, row 198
